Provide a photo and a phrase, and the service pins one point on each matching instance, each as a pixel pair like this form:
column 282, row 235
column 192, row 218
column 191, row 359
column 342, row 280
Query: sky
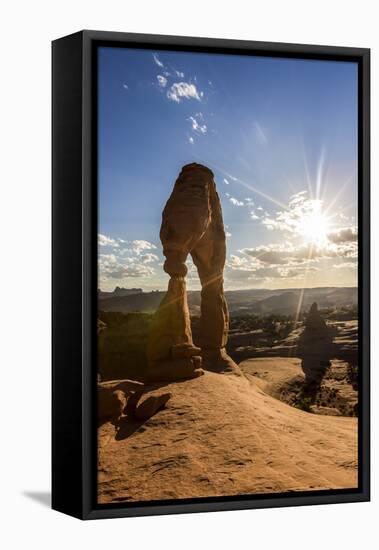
column 280, row 136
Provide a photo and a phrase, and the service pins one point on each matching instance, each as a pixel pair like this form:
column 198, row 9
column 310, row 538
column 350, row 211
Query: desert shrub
column 304, row 403
column 352, row 375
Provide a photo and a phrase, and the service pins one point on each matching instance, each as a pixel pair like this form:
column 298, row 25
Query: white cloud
column 183, row 90
column 245, row 268
column 269, row 254
column 305, row 219
column 346, row 234
column 196, row 126
column 139, row 246
column 191, row 140
column 108, row 259
column 238, row 262
column 236, row 202
column 103, row 240
column 179, row 74
column 254, row 216
column 124, row 272
column 289, row 254
column 162, row 81
column 128, row 259
column 149, row 258
column 123, row 246
column 290, row 220
column 225, row 181
column 157, row 60
column 125, row 86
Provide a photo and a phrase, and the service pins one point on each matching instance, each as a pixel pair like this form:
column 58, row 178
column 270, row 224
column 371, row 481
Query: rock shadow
column 140, row 407
column 127, row 426
column 315, row 348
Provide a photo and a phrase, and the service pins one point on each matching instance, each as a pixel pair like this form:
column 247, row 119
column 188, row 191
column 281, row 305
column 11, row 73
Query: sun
column 314, row 225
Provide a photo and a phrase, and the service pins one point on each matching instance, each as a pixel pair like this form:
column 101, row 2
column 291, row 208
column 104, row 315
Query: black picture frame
column 74, row 273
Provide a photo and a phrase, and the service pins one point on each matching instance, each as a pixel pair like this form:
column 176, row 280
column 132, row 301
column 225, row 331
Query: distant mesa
column 119, row 292
column 240, row 302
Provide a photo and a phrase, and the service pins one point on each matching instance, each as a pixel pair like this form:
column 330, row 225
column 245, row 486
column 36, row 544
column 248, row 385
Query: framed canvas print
column 210, row 274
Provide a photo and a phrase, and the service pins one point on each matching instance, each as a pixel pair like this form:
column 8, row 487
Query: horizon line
column 236, row 289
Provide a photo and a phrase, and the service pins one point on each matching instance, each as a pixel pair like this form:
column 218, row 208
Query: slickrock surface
column 221, row 434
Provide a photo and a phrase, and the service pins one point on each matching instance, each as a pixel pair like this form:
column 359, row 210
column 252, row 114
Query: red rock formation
column 191, row 224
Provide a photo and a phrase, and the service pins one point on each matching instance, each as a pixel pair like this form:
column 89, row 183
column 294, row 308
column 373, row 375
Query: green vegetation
column 304, row 403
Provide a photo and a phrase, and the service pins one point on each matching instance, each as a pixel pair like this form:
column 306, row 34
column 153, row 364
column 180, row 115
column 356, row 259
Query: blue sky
column 281, row 138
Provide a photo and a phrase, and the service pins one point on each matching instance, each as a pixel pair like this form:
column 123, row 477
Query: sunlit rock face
column 191, row 224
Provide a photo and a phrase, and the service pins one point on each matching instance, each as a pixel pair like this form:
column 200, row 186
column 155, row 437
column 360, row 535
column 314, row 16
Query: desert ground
column 287, row 421
column 224, row 435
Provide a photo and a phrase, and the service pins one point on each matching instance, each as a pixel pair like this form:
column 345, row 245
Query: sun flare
column 314, row 225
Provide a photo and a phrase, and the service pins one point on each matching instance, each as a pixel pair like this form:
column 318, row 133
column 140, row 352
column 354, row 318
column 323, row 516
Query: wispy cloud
column 260, row 134
column 162, row 81
column 197, row 126
column 157, row 60
column 236, row 202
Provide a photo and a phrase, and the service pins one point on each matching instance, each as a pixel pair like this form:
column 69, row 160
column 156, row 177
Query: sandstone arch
column 191, row 224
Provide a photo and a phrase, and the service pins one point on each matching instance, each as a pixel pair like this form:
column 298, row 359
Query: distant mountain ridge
column 240, row 302
column 118, row 291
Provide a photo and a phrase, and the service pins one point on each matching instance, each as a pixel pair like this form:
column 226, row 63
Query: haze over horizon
column 164, row 289
column 281, row 138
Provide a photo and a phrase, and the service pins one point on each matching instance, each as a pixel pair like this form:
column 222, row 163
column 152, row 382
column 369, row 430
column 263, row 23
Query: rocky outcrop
column 110, row 404
column 316, row 348
column 143, row 406
column 191, row 224
column 133, row 399
column 314, row 323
